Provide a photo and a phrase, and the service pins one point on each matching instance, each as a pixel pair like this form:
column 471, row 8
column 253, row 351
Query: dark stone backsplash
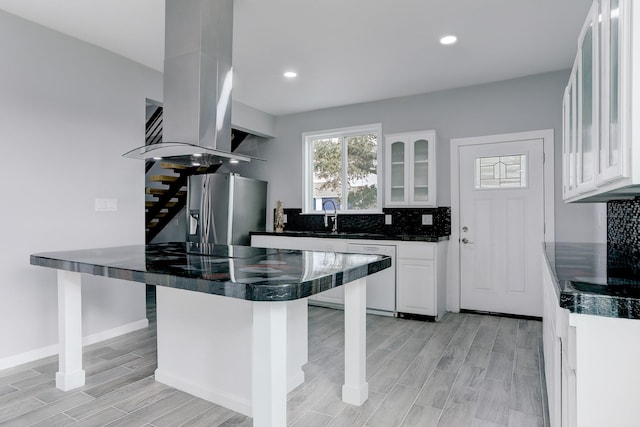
column 405, row 221
column 409, row 221
column 623, row 234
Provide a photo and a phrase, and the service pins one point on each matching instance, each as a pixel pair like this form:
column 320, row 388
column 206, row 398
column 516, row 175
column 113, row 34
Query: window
column 501, row 172
column 341, row 165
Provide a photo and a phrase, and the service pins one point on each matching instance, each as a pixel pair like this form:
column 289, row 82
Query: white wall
column 529, row 103
column 68, row 110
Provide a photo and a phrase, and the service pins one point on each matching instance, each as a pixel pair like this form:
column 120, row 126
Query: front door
column 501, row 226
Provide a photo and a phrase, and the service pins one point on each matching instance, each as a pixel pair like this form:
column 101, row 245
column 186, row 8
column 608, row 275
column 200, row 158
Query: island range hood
column 197, row 86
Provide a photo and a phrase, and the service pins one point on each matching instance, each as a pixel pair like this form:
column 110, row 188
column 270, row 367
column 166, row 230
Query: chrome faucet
column 334, row 215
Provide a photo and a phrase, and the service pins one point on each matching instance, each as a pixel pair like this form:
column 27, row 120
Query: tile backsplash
column 623, row 232
column 403, row 221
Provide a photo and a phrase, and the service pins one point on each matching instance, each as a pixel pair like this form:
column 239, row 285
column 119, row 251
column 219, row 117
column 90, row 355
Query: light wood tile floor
column 468, row 370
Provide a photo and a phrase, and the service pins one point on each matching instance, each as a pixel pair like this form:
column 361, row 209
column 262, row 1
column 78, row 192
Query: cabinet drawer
column 417, row 251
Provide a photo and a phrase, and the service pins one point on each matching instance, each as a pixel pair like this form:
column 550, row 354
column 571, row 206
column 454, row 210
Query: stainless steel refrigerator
column 223, row 208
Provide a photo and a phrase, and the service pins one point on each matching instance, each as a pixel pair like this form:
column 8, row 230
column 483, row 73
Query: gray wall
column 68, row 110
column 518, row 105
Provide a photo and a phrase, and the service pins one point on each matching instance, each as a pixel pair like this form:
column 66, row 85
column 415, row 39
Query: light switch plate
column 387, row 219
column 427, row 219
column 106, row 205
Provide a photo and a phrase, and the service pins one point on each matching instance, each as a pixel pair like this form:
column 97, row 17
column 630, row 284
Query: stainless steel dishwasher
column 381, row 287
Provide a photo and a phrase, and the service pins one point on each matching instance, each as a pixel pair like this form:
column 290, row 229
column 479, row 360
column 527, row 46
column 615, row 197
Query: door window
column 501, row 172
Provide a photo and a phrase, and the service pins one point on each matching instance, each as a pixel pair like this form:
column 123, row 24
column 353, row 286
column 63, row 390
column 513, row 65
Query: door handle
column 466, row 241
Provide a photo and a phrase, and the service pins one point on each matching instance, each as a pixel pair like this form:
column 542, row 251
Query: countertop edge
column 244, row 291
column 582, row 302
column 354, row 236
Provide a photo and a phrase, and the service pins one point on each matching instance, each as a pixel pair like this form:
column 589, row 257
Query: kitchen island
column 231, row 319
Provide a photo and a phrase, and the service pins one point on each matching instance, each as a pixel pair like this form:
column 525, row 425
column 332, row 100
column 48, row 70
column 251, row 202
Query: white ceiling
column 345, row 51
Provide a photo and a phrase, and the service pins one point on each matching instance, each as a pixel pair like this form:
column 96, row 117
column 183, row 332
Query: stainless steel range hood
column 197, row 85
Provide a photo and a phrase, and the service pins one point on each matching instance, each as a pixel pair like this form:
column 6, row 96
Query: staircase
column 166, row 195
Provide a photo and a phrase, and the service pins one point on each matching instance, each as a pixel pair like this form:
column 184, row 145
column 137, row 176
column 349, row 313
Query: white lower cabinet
column 417, row 295
column 591, row 365
column 552, row 348
column 421, row 272
column 559, row 355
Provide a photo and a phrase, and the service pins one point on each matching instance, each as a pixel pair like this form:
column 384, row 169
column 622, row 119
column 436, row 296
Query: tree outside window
column 344, row 169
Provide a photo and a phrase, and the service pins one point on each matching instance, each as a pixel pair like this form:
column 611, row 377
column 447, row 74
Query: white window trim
column 307, row 187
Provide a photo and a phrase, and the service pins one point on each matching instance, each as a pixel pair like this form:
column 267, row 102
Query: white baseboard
column 115, row 332
column 206, row 392
column 42, row 352
column 294, row 379
column 28, row 356
column 217, row 396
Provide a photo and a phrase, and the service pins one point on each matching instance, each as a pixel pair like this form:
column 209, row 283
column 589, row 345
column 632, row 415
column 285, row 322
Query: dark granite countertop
column 593, row 278
column 354, row 235
column 241, row 272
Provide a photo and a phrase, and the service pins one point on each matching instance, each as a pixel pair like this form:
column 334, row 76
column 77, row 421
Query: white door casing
column 496, row 270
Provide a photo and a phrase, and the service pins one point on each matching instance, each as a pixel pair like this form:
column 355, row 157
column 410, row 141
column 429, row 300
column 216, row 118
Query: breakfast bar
column 232, row 320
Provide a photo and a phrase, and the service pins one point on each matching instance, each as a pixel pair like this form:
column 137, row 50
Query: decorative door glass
column 503, row 172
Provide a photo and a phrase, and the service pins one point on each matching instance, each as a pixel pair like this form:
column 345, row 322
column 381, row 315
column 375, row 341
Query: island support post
column 269, row 363
column 70, row 374
column 355, row 389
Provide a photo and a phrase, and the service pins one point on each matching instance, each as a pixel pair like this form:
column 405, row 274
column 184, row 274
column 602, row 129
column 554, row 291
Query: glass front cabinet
column 569, row 137
column 410, row 169
column 601, row 149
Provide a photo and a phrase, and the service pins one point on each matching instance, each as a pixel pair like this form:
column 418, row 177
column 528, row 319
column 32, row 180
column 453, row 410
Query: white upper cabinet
column 614, row 50
column 588, row 97
column 601, row 150
column 570, row 137
column 410, row 170
column 580, row 113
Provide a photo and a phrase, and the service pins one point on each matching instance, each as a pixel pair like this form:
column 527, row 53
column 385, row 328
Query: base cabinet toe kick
column 242, row 354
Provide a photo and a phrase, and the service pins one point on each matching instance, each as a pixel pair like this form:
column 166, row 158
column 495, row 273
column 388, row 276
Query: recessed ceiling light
column 290, row 74
column 157, row 158
column 197, row 155
column 446, row 40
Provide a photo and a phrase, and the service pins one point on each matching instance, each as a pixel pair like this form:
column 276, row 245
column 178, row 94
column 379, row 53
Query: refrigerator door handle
column 193, row 223
column 232, row 204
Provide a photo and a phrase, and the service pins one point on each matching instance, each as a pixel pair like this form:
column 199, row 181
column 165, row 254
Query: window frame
column 307, row 169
